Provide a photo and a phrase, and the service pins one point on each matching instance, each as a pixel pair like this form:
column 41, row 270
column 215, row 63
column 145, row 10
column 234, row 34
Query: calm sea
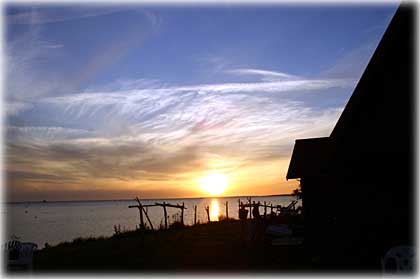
column 55, row 222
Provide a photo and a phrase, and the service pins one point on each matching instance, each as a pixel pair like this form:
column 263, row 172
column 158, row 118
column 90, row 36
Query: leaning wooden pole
column 265, row 209
column 227, row 211
column 182, row 214
column 208, row 213
column 165, row 213
column 141, row 217
column 239, row 208
column 141, row 213
column 148, row 219
column 250, row 209
column 195, row 215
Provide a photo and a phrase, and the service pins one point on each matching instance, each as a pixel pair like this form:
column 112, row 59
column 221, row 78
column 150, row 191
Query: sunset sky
column 113, row 102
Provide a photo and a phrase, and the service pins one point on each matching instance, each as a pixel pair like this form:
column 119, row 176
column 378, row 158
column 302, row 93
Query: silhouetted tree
column 298, row 191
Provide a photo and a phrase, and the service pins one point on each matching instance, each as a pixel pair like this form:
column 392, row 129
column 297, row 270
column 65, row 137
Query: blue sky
column 114, row 101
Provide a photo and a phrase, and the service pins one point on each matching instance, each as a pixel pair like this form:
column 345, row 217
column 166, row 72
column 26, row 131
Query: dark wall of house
column 375, row 143
column 370, row 187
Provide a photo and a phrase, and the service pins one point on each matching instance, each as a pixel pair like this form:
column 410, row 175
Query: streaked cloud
column 40, row 132
column 275, row 86
column 153, row 99
column 266, row 75
column 54, row 46
column 148, row 99
column 15, row 107
column 166, row 134
column 26, row 77
column 40, row 15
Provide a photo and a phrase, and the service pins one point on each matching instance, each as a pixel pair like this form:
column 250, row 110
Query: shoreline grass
column 207, row 247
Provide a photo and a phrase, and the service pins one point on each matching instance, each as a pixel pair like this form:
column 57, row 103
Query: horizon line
column 173, row 198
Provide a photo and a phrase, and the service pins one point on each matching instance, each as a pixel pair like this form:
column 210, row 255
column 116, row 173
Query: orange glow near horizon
column 219, row 178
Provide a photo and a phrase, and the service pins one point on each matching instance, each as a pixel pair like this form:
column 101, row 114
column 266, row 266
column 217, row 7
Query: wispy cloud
column 54, row 46
column 44, row 132
column 353, row 62
column 153, row 99
column 266, row 75
column 27, row 80
column 40, row 15
column 226, row 106
column 169, row 131
column 15, row 107
column 270, row 87
column 148, row 132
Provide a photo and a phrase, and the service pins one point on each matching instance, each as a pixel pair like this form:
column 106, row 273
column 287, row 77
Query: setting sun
column 214, row 183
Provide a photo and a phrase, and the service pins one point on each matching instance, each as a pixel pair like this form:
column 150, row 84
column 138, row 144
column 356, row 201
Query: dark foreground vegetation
column 203, row 248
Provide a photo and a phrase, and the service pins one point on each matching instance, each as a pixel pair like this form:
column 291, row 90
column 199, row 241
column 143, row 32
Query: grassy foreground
column 213, row 247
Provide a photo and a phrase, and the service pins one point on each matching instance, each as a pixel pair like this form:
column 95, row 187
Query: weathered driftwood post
column 141, row 213
column 208, row 213
column 182, row 214
column 265, row 209
column 227, row 211
column 195, row 215
column 250, row 209
column 141, row 217
column 164, row 212
column 239, row 208
column 165, row 205
column 148, row 219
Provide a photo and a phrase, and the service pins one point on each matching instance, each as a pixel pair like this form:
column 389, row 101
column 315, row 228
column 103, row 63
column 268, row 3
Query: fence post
column 239, row 207
column 208, row 213
column 166, row 219
column 265, row 209
column 182, row 214
column 227, row 211
column 148, row 219
column 140, row 207
column 250, row 209
column 141, row 217
column 195, row 214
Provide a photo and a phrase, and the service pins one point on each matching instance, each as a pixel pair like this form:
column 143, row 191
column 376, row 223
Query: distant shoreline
column 225, row 197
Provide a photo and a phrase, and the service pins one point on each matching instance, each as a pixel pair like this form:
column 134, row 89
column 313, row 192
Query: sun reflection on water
column 214, row 210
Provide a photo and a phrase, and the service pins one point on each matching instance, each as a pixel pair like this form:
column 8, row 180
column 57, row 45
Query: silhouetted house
column 358, row 183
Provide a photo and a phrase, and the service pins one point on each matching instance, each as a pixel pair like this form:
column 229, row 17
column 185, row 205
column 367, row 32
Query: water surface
column 55, row 222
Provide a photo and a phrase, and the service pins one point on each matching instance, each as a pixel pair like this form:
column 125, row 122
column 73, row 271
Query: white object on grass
column 20, row 254
column 398, row 259
column 278, row 230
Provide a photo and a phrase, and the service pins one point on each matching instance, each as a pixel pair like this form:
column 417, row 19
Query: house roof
column 310, row 158
column 384, row 85
column 376, row 121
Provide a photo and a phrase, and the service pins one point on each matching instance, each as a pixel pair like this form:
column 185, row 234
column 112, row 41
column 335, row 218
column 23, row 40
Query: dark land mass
column 203, row 248
column 215, row 247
